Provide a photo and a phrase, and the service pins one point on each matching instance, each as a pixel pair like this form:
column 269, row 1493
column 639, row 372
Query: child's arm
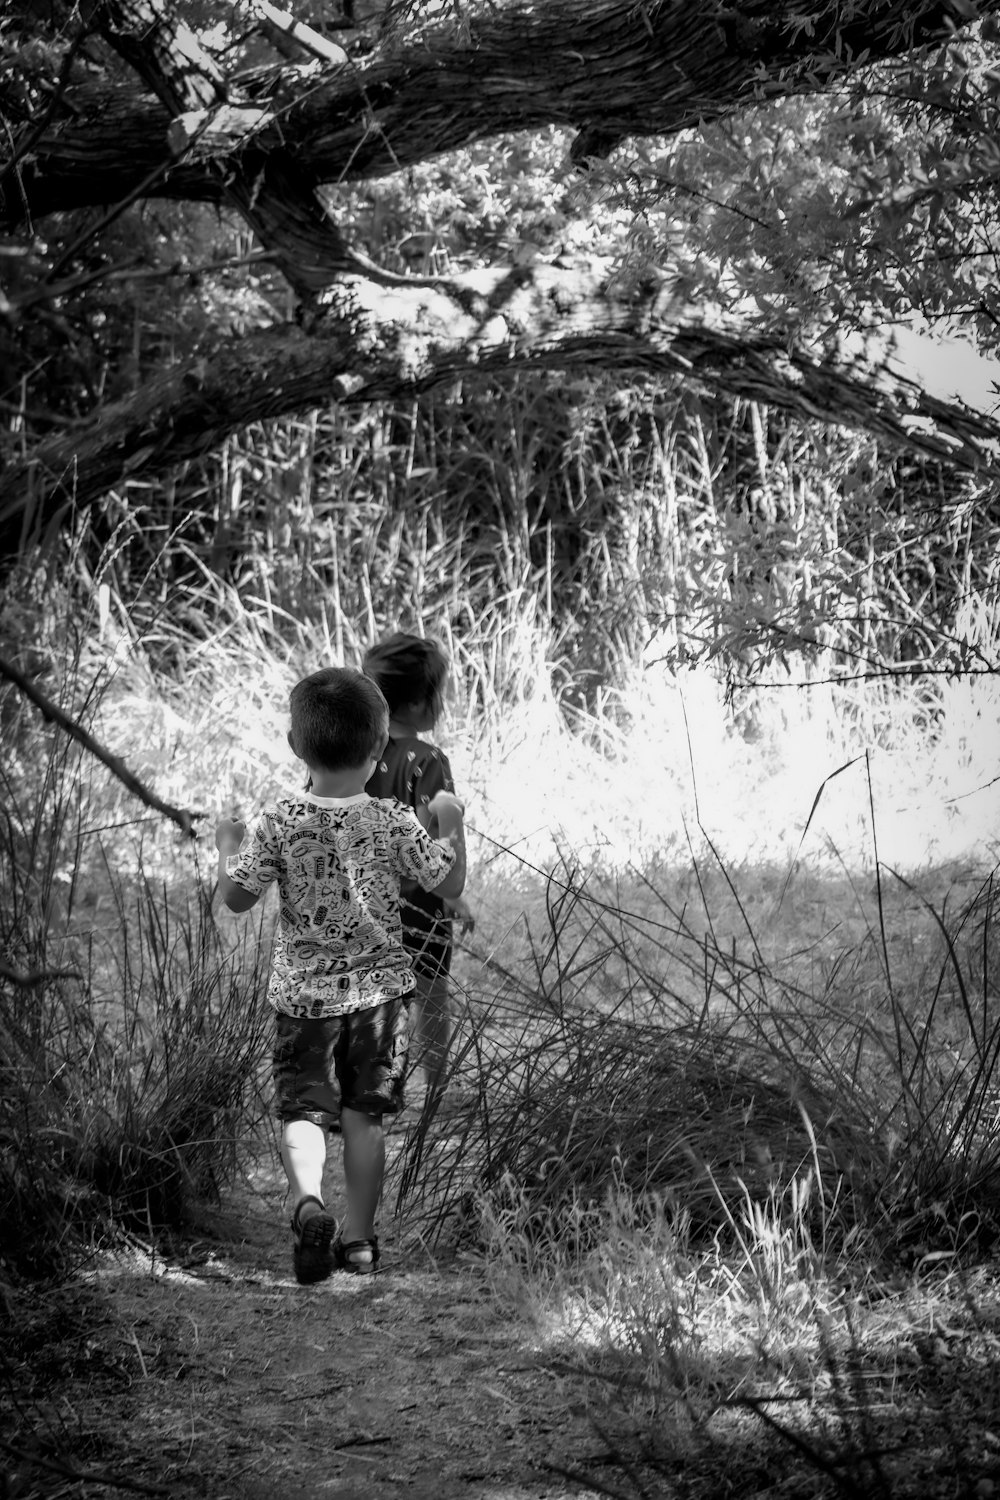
column 228, row 838
column 463, row 914
column 448, row 813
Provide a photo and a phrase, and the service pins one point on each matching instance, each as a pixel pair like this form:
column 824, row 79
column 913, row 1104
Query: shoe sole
column 313, row 1258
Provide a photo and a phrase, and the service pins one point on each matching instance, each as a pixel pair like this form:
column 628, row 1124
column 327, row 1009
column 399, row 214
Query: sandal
column 345, row 1256
column 312, row 1256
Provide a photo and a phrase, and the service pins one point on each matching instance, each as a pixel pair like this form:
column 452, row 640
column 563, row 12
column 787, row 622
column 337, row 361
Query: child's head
column 339, row 719
column 411, row 672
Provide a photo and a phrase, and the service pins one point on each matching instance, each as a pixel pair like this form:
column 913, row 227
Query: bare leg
column 432, row 1028
column 303, row 1156
column 364, row 1168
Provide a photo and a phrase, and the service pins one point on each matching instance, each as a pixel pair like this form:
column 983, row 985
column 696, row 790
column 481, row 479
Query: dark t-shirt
column 413, row 771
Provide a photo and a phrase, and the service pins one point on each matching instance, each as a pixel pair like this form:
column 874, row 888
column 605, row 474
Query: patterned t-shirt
column 338, row 863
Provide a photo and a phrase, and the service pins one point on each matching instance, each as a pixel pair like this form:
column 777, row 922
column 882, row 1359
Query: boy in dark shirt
column 411, row 673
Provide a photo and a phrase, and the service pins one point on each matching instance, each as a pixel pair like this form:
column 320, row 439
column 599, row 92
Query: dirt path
column 232, row 1381
column 212, row 1374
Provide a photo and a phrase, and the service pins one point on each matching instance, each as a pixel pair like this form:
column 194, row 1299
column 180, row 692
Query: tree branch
column 34, row 977
column 264, row 143
column 268, row 188
column 304, row 36
column 373, row 343
column 609, row 68
column 75, row 730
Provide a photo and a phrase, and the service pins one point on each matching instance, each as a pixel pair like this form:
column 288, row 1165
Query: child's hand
column 229, row 835
column 463, row 914
column 445, row 802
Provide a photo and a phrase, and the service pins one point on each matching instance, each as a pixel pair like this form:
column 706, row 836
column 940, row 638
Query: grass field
column 728, row 1027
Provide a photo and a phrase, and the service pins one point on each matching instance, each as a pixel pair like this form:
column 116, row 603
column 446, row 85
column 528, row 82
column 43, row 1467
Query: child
column 340, row 975
column 411, row 672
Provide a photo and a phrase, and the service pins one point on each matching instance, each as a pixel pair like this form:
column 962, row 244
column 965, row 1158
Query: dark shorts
column 357, row 1061
column 427, row 936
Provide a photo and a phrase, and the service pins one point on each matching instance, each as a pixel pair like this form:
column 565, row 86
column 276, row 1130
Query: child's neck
column 345, row 783
column 404, row 726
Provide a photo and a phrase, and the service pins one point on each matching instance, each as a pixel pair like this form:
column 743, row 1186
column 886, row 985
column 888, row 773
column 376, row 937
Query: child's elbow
column 453, row 883
column 235, row 897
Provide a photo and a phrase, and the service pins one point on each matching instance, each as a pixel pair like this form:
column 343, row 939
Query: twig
column 138, row 1350
column 50, row 711
column 35, row 976
column 82, row 1476
column 309, row 40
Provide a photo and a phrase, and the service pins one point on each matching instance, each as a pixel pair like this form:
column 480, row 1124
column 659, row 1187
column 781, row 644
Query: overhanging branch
column 185, row 820
column 268, row 187
column 377, row 343
column 608, row 68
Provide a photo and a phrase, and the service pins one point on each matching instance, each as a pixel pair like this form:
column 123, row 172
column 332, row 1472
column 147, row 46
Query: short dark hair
column 339, row 718
column 408, row 669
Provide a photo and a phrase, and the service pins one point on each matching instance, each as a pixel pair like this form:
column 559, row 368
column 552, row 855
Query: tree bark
column 373, row 343
column 264, row 144
column 605, row 68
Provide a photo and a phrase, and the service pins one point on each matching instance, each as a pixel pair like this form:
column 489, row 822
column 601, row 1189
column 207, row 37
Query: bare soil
column 209, row 1372
column 212, row 1373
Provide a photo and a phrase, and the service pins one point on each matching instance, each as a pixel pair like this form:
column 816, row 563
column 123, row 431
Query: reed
column 131, row 1022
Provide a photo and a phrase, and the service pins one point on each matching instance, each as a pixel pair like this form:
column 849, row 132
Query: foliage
column 872, row 202
column 131, row 1024
column 857, row 205
column 623, row 518
column 630, row 1047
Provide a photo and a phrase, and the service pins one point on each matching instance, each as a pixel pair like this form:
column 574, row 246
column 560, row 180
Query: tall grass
column 626, row 1034
column 130, row 1021
column 723, row 1179
column 675, row 793
column 622, row 517
column 668, row 764
column 723, row 1060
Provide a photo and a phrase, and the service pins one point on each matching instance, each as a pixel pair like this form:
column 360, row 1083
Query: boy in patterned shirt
column 340, row 976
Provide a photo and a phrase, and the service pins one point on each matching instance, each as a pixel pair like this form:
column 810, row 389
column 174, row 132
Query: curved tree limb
column 265, row 145
column 376, row 343
column 51, row 711
column 605, row 68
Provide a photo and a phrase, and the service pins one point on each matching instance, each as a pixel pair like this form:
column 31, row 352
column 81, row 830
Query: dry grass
column 729, row 1069
column 131, row 1022
column 747, row 1191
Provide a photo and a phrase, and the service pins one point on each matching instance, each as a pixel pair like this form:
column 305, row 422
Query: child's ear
column 291, row 744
